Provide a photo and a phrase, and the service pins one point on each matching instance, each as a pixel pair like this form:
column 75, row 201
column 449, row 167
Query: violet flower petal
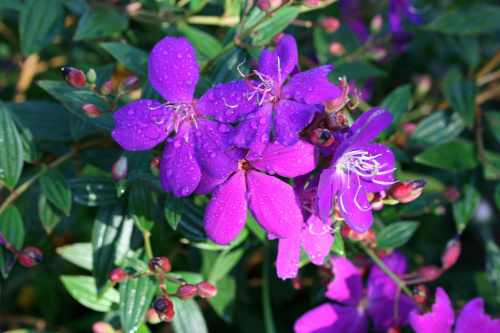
column 381, row 311
column 329, row 184
column 473, row 320
column 317, row 246
column 347, row 286
column 273, row 204
column 287, row 161
column 440, row 320
column 287, row 53
column 330, row 318
column 137, row 127
column 207, row 184
column 385, row 176
column 226, row 212
column 312, row 86
column 289, row 119
column 367, row 127
column 287, row 262
column 354, row 205
column 173, row 70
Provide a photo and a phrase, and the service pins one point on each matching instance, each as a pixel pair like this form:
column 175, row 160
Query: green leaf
column 355, row 70
column 201, row 41
column 397, row 102
column 11, row 153
column 40, row 22
column 12, row 4
column 396, row 234
column 135, row 299
column 141, row 205
column 452, row 156
column 100, row 22
column 225, row 262
column 492, row 167
column 338, row 245
column 255, row 228
column 493, row 266
column 225, row 69
column 461, row 94
column 78, row 7
column 188, row 317
column 55, row 186
column 493, row 122
column 467, row 47
column 464, row 208
column 191, row 223
column 497, row 195
column 83, row 289
column 439, row 127
column 473, row 19
column 173, row 210
column 50, row 216
column 93, row 191
column 223, row 302
column 209, row 245
column 269, row 28
column 130, row 56
column 12, row 228
column 29, row 148
column 79, row 254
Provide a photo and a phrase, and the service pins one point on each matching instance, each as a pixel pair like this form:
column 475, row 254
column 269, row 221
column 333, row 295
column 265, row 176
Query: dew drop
column 177, row 144
column 253, row 124
column 264, row 138
column 211, row 96
column 262, row 121
column 185, row 190
column 179, row 55
column 213, row 155
column 309, row 89
column 130, row 112
column 169, row 173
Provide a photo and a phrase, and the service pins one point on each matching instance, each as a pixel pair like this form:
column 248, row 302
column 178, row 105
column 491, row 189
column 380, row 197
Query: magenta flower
column 272, row 202
column 471, row 319
column 350, row 312
column 357, row 168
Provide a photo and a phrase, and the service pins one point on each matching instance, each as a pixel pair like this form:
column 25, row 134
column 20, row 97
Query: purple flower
column 272, row 202
column 398, row 8
column 350, row 312
column 357, row 168
column 141, row 125
column 471, row 320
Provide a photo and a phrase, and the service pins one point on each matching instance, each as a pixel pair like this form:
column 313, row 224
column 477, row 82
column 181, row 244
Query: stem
column 104, row 97
column 168, row 277
column 147, row 243
column 489, row 66
column 266, row 299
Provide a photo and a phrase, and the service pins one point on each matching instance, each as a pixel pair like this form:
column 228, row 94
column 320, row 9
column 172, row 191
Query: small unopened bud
column 276, row 3
column 408, row 128
column 277, row 38
column 408, row 191
column 336, row 121
column 186, row 291
column 423, row 83
column 264, row 5
column 393, row 330
column 330, row 24
column 322, row 137
column 206, row 290
column 430, row 273
column 74, row 77
column 102, row 327
column 167, row 317
column 119, row 169
column 159, row 264
column 297, row 283
column 91, row 76
column 311, row 3
column 452, row 252
column 162, row 305
column 117, row 275
column 451, row 194
column 420, row 294
column 155, row 166
column 152, row 317
column 439, row 210
column 336, row 49
column 129, row 83
column 353, row 235
column 30, row 256
column 91, row 110
column 107, row 87
column 376, row 23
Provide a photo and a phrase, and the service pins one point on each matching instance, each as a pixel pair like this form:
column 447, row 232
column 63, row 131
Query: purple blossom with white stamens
column 357, row 168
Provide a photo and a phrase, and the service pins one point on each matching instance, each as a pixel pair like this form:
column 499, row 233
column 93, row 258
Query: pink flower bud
column 408, row 191
column 119, row 169
column 394, row 330
column 129, row 83
column 430, row 273
column 186, row 291
column 338, row 103
column 311, row 3
column 408, row 128
column 420, row 294
column 297, row 283
column 30, row 256
column 330, row 24
column 452, row 252
column 152, row 317
column 167, row 317
column 439, row 210
column 376, row 23
column 336, row 49
column 206, row 290
column 159, row 264
column 264, row 5
column 117, row 275
column 162, row 305
column 74, row 77
column 424, row 84
column 91, row 110
column 402, row 190
column 322, row 137
column 155, row 166
column 107, row 87
column 276, row 3
column 451, row 194
column 276, row 39
column 102, row 327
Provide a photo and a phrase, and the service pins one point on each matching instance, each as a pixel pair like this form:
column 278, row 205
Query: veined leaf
column 55, row 186
column 396, row 234
column 11, row 154
column 83, row 289
column 12, row 228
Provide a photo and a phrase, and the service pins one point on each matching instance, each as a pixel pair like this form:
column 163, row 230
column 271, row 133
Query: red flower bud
column 30, row 256
column 408, row 127
column 452, row 252
column 451, row 194
column 107, row 87
column 351, row 234
column 264, row 5
column 159, row 265
column 129, row 83
column 102, row 327
column 117, row 275
column 408, row 191
column 430, row 273
column 74, row 77
column 91, row 110
column 420, row 294
column 206, row 290
column 276, row 39
column 167, row 317
column 311, row 3
column 322, row 137
column 336, row 49
column 297, row 283
column 119, row 169
column 275, row 3
column 394, row 330
column 162, row 305
column 155, row 166
column 186, row 291
column 330, row 24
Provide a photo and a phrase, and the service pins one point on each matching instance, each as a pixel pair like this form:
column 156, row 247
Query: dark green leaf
column 225, row 262
column 55, row 186
column 79, row 7
column 461, row 94
column 11, row 153
column 93, row 191
column 188, row 317
column 191, row 223
column 255, row 228
column 225, row 70
column 397, row 102
column 464, row 208
column 100, row 22
column 13, row 4
column 83, row 289
column 338, row 245
column 201, row 41
column 149, row 93
column 493, row 266
column 29, row 148
column 141, row 205
column 173, row 210
column 396, row 234
column 80, row 128
column 452, row 156
column 12, row 228
column 269, row 28
column 136, row 296
column 439, row 127
column 49, row 214
column 492, row 167
column 355, row 70
column 130, row 56
column 473, row 19
column 497, row 195
column 223, row 302
column 493, row 122
column 79, row 254
column 467, row 47
column 40, row 22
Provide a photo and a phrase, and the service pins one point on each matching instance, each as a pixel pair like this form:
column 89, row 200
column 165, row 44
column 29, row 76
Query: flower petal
column 347, row 286
column 273, row 204
column 329, row 185
column 137, row 127
column 330, row 318
column 173, row 70
column 367, row 127
column 289, row 119
column 207, row 184
column 317, row 246
column 473, row 320
column 440, row 320
column 354, row 205
column 179, row 169
column 226, row 212
column 385, row 176
column 287, row 262
column 209, row 139
column 284, row 57
column 381, row 311
column 227, row 102
column 287, row 161
column 312, row 86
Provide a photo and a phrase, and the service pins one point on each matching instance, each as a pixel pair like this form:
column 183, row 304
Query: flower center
column 182, row 112
column 361, row 163
column 268, row 88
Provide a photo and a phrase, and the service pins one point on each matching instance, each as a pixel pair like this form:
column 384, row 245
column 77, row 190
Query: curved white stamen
column 326, row 230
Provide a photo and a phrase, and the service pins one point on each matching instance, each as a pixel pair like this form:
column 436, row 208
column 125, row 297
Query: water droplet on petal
column 211, row 96
column 262, row 121
column 130, row 112
column 264, row 138
column 185, row 190
column 213, row 155
column 309, row 89
column 179, row 55
column 169, row 173
column 253, row 124
column 177, row 144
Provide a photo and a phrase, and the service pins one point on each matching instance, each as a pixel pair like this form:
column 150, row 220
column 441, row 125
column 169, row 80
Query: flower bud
column 339, row 102
column 393, row 330
column 159, row 265
column 430, row 273
column 376, row 23
column 102, row 327
column 330, row 24
column 353, row 235
column 186, row 291
column 155, row 166
column 420, row 294
column 162, row 305
column 264, row 5
column 297, row 283
column 129, row 83
column 451, row 194
column 336, row 49
column 408, row 128
column 276, row 3
column 30, row 256
column 107, row 87
column 424, row 84
column 439, row 210
column 167, row 317
column 74, row 77
column 276, row 39
column 119, row 169
column 336, row 120
column 206, row 290
column 408, row 191
column 91, row 110
column 117, row 275
column 452, row 252
column 152, row 317
column 91, row 76
column 322, row 137
column 311, row 3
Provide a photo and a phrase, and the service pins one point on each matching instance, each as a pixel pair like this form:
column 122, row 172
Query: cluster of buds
column 28, row 257
column 366, row 237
